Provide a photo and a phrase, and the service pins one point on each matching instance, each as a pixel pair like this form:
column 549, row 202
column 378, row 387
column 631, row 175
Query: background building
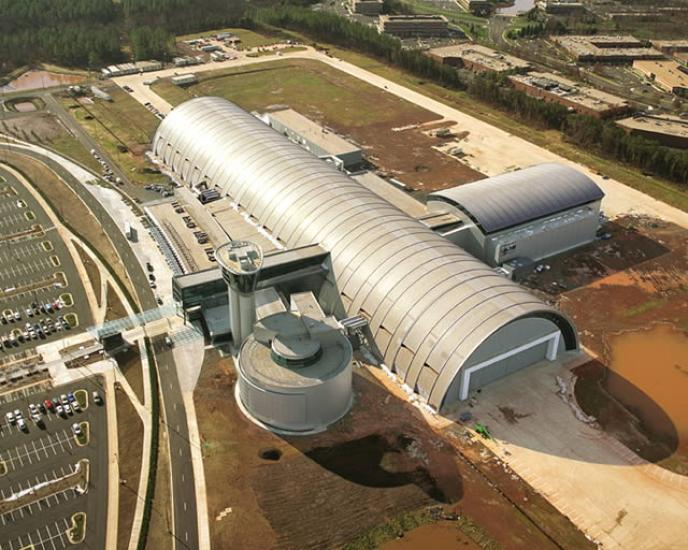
column 577, row 96
column 531, row 213
column 371, row 8
column 478, row 7
column 666, row 129
column 444, row 321
column 405, row 26
column 606, row 48
column 668, row 75
column 320, row 141
column 479, row 59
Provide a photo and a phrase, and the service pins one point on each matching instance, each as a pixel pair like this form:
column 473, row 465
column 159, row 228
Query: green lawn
column 310, row 87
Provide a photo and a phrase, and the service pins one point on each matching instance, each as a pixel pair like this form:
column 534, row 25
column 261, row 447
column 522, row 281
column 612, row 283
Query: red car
column 48, row 404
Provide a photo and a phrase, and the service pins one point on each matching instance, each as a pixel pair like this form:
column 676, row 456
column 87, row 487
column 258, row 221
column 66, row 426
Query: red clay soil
column 321, row 491
column 631, row 284
column 408, row 156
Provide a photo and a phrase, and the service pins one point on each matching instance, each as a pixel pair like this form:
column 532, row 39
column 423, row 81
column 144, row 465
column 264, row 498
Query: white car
column 18, row 414
column 63, row 399
column 10, row 417
column 68, row 409
column 76, row 429
column 33, row 409
column 96, row 398
column 21, row 424
column 76, row 406
column 59, row 410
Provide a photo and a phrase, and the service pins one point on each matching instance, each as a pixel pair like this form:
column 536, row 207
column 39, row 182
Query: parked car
column 49, row 405
column 76, row 429
column 21, row 424
column 96, row 398
column 10, row 417
column 70, row 397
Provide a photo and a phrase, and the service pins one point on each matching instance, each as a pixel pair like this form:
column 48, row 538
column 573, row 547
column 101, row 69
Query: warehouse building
column 560, row 6
column 131, row 68
column 668, row 75
column 670, row 47
column 668, row 130
column 477, row 7
column 574, row 95
column 606, row 48
column 323, row 143
column 442, row 320
column 530, row 214
column 371, row 8
column 184, row 79
column 479, row 59
column 408, row 26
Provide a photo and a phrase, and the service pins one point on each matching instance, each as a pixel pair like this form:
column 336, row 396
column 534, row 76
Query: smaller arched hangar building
column 531, row 213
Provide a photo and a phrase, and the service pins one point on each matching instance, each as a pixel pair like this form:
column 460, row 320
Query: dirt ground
column 130, row 448
column 130, row 364
column 37, row 128
column 92, row 272
column 629, row 287
column 114, row 309
column 380, row 461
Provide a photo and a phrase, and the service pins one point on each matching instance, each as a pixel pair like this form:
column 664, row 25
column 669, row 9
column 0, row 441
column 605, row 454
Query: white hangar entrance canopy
column 444, row 321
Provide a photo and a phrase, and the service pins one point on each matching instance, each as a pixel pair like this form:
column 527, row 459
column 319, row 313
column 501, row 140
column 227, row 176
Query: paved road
column 185, row 517
column 183, row 487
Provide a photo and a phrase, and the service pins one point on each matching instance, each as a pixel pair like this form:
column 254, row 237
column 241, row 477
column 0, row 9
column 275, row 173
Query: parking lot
column 41, row 454
column 41, row 295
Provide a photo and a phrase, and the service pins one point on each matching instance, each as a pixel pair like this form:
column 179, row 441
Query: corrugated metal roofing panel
column 522, row 196
column 274, row 180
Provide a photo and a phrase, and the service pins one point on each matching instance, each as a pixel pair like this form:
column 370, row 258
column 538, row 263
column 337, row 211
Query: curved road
column 183, row 485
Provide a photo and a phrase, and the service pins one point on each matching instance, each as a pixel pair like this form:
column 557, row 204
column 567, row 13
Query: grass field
column 122, row 122
column 310, row 87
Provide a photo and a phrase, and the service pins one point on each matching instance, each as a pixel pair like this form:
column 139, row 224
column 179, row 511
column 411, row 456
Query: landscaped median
column 84, row 436
column 81, row 397
column 77, row 532
column 77, row 480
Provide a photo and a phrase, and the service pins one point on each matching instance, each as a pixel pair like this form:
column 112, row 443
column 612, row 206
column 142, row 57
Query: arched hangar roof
column 427, row 300
column 515, row 198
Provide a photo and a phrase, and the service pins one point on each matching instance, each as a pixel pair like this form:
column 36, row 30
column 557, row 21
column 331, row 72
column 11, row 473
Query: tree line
column 83, row 33
column 602, row 136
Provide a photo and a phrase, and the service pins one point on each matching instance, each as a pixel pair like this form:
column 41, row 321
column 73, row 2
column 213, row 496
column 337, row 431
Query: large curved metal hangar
column 444, row 321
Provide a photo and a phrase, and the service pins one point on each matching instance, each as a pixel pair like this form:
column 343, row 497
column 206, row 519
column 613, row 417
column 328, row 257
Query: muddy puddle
column 444, row 535
column 656, row 362
column 32, row 80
